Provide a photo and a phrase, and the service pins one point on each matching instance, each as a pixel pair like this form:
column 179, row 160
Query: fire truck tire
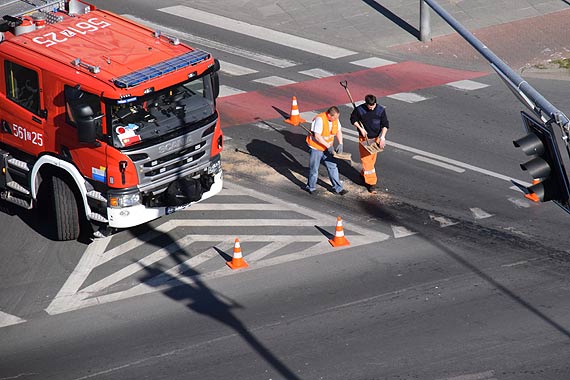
column 67, row 224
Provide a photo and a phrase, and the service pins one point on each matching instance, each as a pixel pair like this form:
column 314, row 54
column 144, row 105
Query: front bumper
column 133, row 216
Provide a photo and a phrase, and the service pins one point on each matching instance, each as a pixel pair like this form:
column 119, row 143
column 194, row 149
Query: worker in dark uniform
column 371, row 122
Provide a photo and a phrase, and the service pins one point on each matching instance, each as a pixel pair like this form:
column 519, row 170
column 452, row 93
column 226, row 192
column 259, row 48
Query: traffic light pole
column 531, row 98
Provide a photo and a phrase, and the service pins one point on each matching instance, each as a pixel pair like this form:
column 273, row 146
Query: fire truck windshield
column 138, row 120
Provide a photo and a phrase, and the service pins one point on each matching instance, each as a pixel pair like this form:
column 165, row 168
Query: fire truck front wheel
column 66, row 212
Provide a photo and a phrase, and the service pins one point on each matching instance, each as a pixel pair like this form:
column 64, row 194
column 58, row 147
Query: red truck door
column 21, row 107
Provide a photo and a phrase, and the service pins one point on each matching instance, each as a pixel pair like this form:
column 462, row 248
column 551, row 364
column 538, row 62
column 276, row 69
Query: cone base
column 295, row 123
column 339, row 241
column 237, row 264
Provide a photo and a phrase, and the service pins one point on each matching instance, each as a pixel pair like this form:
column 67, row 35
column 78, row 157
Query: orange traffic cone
column 295, row 119
column 533, row 196
column 237, row 261
column 339, row 240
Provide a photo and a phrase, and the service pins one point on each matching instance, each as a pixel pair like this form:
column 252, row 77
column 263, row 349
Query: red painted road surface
column 319, row 94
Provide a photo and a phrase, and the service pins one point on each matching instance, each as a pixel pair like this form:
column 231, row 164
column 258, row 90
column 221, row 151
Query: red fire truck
column 103, row 120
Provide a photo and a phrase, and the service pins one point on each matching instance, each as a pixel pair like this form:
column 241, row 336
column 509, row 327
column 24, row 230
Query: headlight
column 124, row 200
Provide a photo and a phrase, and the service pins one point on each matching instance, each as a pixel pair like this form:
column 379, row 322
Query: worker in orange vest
column 324, row 128
column 371, row 122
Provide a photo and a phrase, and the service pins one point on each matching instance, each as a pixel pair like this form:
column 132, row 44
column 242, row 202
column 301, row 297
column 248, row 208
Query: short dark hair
column 370, row 100
column 333, row 110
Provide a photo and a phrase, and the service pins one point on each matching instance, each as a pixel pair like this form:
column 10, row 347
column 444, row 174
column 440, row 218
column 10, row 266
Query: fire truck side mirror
column 87, row 124
column 82, row 115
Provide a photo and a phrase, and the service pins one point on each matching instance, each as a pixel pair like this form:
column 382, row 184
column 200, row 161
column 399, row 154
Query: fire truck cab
column 102, row 119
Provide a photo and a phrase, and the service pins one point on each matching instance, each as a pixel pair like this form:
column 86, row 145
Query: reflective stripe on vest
column 327, row 134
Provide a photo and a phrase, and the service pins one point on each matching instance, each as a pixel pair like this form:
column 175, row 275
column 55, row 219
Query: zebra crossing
column 192, row 244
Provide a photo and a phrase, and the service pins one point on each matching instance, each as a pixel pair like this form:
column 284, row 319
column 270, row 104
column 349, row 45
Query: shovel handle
column 344, row 84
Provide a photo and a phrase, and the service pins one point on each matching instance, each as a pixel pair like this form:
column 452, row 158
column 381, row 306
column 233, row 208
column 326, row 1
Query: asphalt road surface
column 451, row 274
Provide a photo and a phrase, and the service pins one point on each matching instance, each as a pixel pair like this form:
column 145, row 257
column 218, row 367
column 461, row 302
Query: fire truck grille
column 171, row 164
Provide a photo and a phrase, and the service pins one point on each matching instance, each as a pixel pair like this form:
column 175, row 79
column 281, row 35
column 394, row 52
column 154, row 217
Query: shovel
column 341, row 156
column 369, row 144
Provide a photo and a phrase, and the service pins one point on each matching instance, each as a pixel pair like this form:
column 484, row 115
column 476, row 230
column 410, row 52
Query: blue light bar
column 162, row 68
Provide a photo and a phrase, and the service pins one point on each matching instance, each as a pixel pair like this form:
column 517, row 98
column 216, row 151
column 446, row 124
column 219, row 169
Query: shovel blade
column 343, row 156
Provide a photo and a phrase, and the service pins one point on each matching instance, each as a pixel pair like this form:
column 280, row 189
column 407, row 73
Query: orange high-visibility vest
column 328, row 134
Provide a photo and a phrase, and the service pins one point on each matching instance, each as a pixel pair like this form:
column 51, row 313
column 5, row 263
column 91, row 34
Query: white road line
column 192, row 262
column 259, row 32
column 254, row 56
column 349, row 133
column 317, row 73
column 264, row 251
column 274, row 81
column 480, row 214
column 229, row 91
column 373, row 62
column 401, row 231
column 523, row 262
column 9, row 319
column 246, row 222
column 454, row 162
column 236, row 206
column 439, row 163
column 65, row 299
column 468, row 85
column 133, row 268
column 487, row 375
column 408, row 97
column 235, row 70
column 521, row 203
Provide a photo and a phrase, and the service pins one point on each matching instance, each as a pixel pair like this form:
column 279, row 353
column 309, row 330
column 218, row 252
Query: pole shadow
column 394, row 18
column 202, row 300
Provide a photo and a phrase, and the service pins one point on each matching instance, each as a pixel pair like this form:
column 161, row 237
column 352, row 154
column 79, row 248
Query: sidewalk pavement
column 380, row 27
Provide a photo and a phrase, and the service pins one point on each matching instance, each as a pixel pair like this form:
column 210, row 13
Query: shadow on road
column 200, row 299
column 382, row 212
column 41, row 222
column 287, row 164
column 393, row 17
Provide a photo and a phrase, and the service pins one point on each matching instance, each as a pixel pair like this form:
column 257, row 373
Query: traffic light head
column 550, row 181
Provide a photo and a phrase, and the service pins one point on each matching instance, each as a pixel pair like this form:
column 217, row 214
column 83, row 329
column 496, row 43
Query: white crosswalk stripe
column 401, row 231
column 200, row 41
column 468, row 85
column 373, row 62
column 317, row 73
column 280, row 38
column 274, row 81
column 235, row 70
column 480, row 214
column 9, row 320
column 227, row 91
column 408, row 97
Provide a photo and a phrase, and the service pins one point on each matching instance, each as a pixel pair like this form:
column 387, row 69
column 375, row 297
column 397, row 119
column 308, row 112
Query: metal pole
column 425, row 28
